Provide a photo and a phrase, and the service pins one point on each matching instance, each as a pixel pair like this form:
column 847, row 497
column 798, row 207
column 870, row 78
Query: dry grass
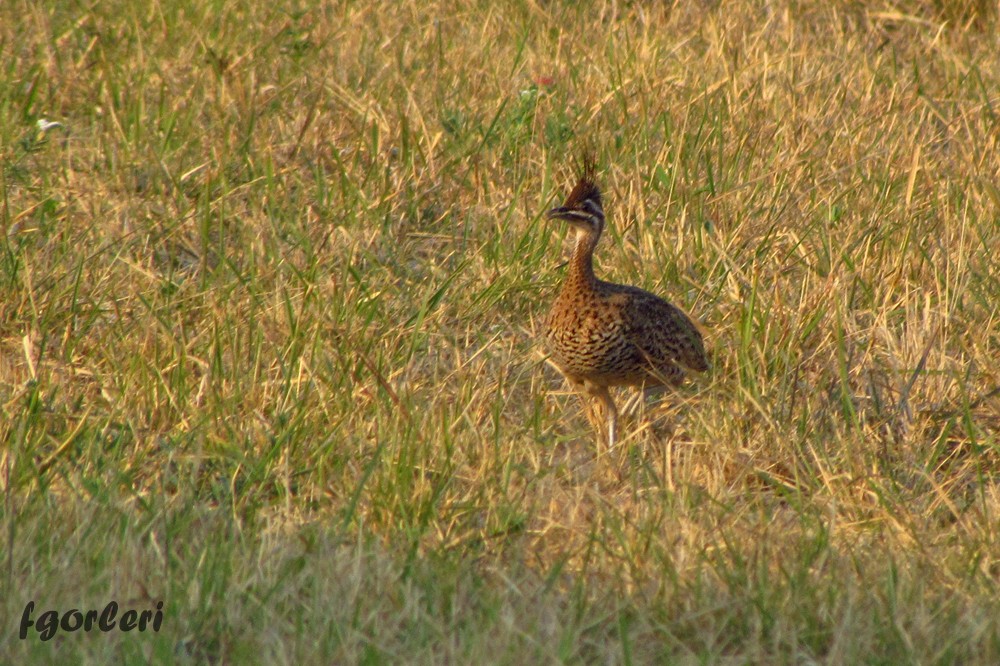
column 270, row 302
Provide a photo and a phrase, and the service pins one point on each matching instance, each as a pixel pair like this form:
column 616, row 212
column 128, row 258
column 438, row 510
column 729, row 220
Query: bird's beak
column 557, row 213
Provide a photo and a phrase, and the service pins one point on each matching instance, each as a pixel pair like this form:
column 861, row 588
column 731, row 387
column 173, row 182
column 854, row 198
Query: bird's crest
column 586, row 186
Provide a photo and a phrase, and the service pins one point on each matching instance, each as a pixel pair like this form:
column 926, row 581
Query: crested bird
column 602, row 334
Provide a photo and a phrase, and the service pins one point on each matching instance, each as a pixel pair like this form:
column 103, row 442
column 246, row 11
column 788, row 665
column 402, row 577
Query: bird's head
column 582, row 210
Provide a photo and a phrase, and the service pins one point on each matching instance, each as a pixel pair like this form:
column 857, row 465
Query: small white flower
column 45, row 125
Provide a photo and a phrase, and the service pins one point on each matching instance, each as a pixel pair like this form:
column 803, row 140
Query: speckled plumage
column 602, row 334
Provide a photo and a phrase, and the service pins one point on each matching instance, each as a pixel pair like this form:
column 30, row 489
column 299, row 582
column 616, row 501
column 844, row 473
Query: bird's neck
column 581, row 265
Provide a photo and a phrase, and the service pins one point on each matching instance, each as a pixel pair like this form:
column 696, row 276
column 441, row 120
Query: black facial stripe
column 593, row 207
column 578, row 215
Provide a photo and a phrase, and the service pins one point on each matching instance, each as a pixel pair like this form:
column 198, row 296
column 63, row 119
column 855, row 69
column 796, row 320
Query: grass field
column 270, row 304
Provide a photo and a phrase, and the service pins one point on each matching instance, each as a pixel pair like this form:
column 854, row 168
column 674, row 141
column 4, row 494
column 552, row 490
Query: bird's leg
column 585, row 392
column 604, row 395
column 590, row 410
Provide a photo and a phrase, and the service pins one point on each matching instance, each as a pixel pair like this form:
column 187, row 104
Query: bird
column 602, row 334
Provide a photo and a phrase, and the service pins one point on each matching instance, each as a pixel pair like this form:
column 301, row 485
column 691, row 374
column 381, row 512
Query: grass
column 270, row 302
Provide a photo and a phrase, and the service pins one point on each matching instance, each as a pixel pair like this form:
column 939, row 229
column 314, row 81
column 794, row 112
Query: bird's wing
column 663, row 333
